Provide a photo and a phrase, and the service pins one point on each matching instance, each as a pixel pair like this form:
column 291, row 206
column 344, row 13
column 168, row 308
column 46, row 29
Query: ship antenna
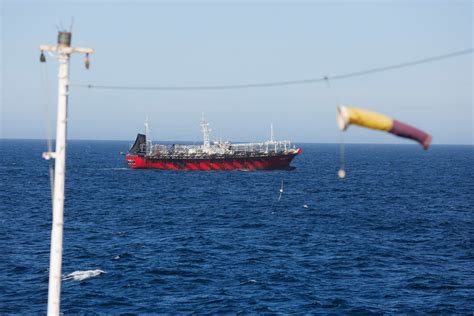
column 64, row 51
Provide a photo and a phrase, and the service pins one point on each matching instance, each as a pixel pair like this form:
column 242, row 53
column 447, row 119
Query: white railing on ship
column 220, row 148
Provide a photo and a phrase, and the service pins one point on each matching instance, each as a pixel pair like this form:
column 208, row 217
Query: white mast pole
column 54, row 293
column 63, row 51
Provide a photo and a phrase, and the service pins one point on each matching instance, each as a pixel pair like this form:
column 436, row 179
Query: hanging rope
column 342, row 161
column 280, row 193
column 342, row 169
column 288, row 82
column 47, row 120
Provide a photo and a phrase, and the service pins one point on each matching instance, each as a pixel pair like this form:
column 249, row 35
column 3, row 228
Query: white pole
column 54, row 294
column 64, row 51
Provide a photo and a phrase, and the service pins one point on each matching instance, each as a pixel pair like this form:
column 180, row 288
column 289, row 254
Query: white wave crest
column 82, row 275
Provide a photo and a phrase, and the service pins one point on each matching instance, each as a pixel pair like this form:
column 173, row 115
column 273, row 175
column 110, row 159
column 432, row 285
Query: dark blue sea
column 396, row 236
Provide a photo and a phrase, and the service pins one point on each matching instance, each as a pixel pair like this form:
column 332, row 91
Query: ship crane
column 63, row 52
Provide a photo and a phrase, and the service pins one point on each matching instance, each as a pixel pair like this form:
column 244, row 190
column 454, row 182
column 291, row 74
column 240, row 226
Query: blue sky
column 205, row 43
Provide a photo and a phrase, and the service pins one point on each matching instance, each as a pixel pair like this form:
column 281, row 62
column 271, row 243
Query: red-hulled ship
column 269, row 155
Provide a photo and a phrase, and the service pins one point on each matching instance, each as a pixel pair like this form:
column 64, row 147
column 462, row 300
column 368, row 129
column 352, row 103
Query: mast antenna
column 63, row 50
column 72, row 24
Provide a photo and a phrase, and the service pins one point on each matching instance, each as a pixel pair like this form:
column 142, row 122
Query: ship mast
column 206, row 130
column 147, row 136
column 63, row 51
column 272, row 137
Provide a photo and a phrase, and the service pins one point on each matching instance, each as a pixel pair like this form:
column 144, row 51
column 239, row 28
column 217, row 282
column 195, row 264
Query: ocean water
column 396, row 236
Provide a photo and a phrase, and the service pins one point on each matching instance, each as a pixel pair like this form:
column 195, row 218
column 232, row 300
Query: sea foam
column 82, row 275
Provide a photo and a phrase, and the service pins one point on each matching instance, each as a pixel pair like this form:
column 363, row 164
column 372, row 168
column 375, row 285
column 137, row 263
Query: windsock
column 349, row 115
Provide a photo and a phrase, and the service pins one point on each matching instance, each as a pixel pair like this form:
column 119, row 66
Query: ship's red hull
column 229, row 163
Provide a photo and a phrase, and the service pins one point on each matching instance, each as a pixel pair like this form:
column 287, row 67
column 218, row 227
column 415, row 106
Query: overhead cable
column 271, row 84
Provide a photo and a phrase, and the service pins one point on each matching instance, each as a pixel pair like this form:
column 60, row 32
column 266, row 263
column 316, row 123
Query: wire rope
column 287, row 82
column 47, row 120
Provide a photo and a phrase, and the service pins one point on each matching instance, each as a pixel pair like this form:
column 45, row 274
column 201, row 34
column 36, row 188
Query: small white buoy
column 341, row 173
column 305, row 205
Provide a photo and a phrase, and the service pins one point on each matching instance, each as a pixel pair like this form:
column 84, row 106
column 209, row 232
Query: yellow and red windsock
column 350, row 115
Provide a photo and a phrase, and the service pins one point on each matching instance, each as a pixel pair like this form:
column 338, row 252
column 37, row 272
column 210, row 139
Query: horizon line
column 200, row 141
